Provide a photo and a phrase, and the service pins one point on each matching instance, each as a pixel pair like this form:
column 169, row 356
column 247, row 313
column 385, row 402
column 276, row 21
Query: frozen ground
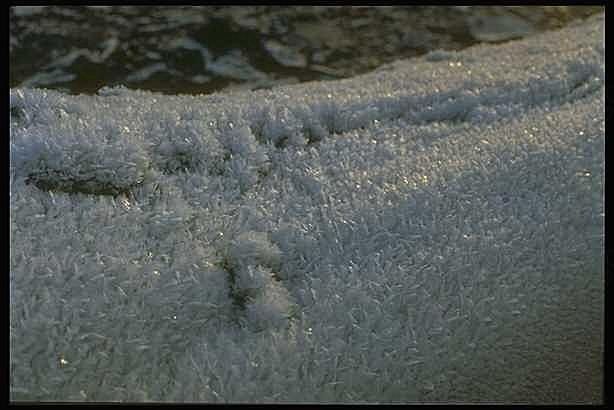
column 431, row 231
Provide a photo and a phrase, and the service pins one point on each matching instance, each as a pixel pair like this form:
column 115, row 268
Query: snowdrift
column 428, row 232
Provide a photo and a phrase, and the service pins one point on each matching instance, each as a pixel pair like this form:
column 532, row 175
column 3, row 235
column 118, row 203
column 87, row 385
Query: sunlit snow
column 431, row 231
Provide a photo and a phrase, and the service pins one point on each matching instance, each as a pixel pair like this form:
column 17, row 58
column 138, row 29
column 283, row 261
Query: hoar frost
column 422, row 233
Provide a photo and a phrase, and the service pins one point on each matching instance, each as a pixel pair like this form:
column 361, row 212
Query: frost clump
column 283, row 128
column 252, row 261
column 254, row 248
column 270, row 308
column 251, row 280
column 182, row 145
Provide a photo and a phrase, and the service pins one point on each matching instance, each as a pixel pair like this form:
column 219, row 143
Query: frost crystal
column 428, row 232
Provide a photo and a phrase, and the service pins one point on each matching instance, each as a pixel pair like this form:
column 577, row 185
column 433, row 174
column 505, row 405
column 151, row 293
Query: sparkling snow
column 431, row 231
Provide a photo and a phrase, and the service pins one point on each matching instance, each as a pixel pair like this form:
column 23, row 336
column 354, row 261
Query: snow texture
column 428, row 232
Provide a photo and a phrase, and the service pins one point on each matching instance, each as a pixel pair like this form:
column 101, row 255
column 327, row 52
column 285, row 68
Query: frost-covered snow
column 431, row 231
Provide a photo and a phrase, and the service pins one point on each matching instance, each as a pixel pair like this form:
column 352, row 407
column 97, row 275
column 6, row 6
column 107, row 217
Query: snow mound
column 428, row 232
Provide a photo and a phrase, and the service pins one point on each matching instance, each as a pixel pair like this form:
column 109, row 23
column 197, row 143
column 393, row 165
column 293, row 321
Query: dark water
column 79, row 49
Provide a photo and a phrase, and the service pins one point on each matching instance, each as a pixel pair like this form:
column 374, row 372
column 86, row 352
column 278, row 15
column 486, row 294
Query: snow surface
column 431, row 231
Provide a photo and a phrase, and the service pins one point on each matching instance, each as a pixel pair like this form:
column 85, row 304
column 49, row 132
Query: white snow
column 429, row 232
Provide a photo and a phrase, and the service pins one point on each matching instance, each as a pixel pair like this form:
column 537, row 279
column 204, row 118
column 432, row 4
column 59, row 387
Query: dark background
column 193, row 50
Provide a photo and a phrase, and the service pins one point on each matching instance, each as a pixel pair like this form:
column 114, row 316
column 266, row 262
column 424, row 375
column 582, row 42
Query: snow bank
column 431, row 231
